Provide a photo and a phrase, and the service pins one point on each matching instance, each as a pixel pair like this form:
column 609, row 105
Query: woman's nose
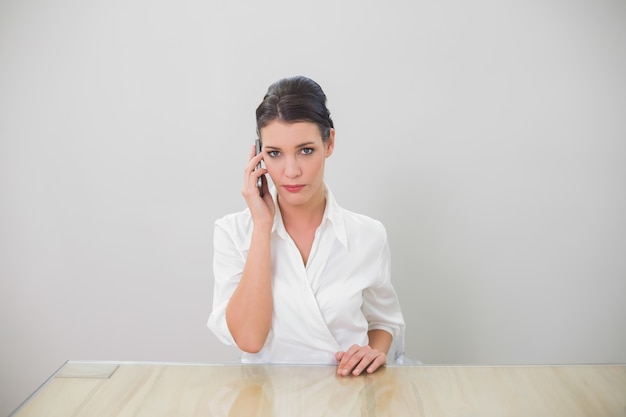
column 292, row 168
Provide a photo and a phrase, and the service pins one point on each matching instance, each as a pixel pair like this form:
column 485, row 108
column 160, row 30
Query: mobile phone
column 259, row 182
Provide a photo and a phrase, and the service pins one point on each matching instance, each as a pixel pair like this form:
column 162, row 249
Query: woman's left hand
column 357, row 359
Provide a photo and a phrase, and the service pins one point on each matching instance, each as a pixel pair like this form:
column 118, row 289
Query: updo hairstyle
column 295, row 99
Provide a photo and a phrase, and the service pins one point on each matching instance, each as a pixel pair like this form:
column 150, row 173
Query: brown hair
column 295, row 99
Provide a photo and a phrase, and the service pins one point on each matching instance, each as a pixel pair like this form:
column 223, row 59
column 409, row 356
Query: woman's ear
column 329, row 144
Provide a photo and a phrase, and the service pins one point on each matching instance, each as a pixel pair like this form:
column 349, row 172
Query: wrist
column 262, row 228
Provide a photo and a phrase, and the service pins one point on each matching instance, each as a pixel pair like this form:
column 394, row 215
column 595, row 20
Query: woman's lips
column 293, row 188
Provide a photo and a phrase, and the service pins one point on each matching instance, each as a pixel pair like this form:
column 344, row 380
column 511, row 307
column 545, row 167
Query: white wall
column 490, row 138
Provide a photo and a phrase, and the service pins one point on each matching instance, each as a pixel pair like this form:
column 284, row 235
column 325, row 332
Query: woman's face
column 294, row 155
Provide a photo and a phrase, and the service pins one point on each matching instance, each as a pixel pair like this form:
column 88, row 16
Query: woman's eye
column 273, row 154
column 307, row 151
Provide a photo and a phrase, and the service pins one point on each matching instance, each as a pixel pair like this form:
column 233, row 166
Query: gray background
column 488, row 136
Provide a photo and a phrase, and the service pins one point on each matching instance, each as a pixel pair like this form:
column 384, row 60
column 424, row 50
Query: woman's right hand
column 250, row 308
column 261, row 208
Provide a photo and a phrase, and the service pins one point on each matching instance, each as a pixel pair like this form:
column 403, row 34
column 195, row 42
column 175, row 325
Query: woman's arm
column 382, row 310
column 380, row 340
column 249, row 310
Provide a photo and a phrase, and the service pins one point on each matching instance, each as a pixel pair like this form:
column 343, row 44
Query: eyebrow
column 302, row 145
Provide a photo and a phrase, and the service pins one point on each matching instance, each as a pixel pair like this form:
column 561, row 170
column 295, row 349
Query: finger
column 378, row 362
column 251, row 183
column 250, row 190
column 253, row 162
column 365, row 362
column 353, row 356
column 348, row 354
column 250, row 171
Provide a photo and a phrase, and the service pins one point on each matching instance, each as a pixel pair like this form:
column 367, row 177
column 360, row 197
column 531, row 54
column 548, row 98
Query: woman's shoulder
column 240, row 221
column 355, row 223
column 359, row 223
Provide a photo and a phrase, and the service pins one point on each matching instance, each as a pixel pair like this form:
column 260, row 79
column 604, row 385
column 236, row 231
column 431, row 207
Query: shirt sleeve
column 381, row 306
column 228, row 263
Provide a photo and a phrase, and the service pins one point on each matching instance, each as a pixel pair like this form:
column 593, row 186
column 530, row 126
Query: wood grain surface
column 179, row 390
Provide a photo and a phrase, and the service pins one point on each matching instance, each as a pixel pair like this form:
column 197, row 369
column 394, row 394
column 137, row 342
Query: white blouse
column 322, row 307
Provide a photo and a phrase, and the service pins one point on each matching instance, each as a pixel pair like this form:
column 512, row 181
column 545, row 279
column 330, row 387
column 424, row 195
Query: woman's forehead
column 282, row 134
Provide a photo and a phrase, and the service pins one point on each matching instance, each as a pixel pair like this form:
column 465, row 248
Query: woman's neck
column 302, row 221
column 304, row 216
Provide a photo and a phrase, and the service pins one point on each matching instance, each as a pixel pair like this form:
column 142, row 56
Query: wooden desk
column 179, row 390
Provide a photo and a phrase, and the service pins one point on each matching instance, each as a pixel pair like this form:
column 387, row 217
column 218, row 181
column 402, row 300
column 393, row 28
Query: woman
column 298, row 279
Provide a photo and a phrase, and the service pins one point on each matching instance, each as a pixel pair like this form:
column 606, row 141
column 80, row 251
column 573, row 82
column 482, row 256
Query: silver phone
column 259, row 182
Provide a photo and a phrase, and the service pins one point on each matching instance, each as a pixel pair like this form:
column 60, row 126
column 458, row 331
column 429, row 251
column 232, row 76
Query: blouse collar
column 332, row 214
